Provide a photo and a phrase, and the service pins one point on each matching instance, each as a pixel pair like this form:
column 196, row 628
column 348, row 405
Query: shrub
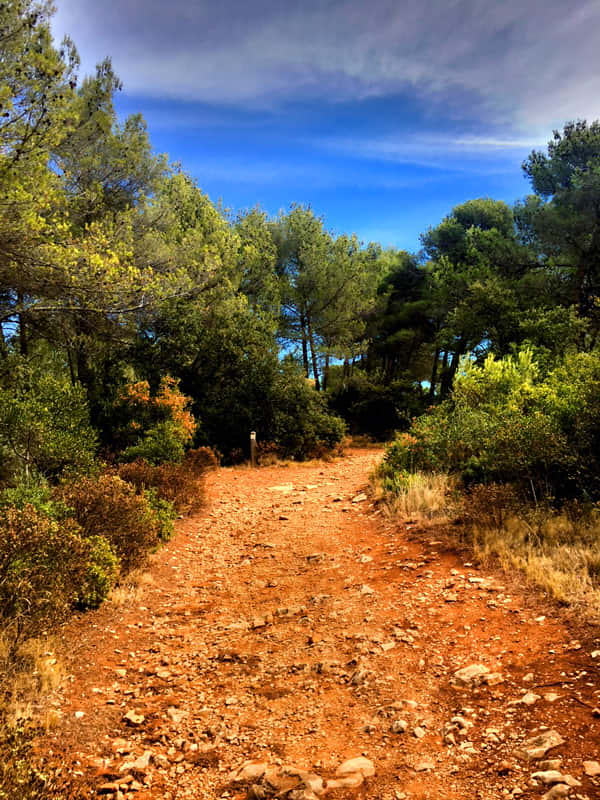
column 18, row 777
column 158, row 445
column 44, row 424
column 178, row 484
column 377, row 409
column 43, row 565
column 267, row 453
column 302, row 425
column 200, row 459
column 156, row 427
column 101, row 573
column 508, row 423
column 165, row 514
column 36, row 493
column 109, row 507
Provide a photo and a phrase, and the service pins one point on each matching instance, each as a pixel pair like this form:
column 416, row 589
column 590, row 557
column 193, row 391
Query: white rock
column 470, row 676
column 360, row 765
column 176, row 715
column 591, row 768
column 140, row 764
column 548, row 777
column 537, row 747
column 425, row 765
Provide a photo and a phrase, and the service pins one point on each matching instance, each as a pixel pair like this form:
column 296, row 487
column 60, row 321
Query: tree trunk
column 3, row 345
column 313, row 353
column 326, row 372
column 23, row 341
column 450, row 372
column 304, row 344
column 434, row 371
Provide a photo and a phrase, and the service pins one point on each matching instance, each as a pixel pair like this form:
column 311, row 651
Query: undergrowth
column 558, row 549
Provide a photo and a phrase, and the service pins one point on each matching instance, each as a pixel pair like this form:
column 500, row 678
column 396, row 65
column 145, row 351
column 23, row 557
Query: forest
column 146, row 330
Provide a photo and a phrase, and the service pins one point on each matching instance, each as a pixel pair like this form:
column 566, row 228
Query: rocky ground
column 294, row 643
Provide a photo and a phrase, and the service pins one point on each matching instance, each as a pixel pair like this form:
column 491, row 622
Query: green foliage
column 562, row 220
column 109, row 507
column 159, row 425
column 165, row 513
column 101, row 573
column 44, row 423
column 35, row 493
column 508, row 423
column 158, row 445
column 370, row 405
column 302, row 426
column 43, row 564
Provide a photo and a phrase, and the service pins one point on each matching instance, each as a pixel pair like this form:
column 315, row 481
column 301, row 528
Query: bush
column 200, row 459
column 101, row 573
column 36, row 493
column 165, row 514
column 302, row 425
column 178, row 484
column 43, row 565
column 371, row 407
column 44, row 425
column 158, row 445
column 156, row 427
column 18, row 776
column 508, row 423
column 109, row 507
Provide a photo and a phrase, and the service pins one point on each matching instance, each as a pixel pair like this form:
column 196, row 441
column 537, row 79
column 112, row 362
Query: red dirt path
column 288, row 622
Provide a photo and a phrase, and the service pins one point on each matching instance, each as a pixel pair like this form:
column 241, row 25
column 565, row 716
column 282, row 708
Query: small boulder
column 535, row 748
column 361, row 765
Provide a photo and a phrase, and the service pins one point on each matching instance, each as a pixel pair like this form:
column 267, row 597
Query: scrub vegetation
column 145, row 331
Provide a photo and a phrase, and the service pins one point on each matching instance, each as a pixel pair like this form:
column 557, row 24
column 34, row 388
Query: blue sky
column 382, row 115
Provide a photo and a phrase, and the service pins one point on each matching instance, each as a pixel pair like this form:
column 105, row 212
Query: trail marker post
column 253, row 448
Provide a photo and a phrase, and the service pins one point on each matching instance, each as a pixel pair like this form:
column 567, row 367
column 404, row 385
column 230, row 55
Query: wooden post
column 253, row 448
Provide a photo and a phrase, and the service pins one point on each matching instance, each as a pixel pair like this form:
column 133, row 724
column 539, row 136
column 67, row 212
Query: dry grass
column 421, row 496
column 557, row 551
column 554, row 550
column 131, row 589
column 34, row 673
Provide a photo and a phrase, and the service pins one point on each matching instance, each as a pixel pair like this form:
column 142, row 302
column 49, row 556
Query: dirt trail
column 291, row 624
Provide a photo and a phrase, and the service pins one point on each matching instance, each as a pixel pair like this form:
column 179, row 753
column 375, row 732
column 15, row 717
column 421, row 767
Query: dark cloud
column 527, row 62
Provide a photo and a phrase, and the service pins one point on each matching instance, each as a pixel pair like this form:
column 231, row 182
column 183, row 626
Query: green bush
column 43, row 565
column 155, row 426
column 165, row 514
column 110, row 507
column 302, row 426
column 101, row 573
column 36, row 493
column 44, row 425
column 374, row 408
column 506, row 422
column 158, row 445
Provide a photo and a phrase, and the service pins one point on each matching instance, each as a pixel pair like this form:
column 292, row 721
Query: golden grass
column 421, row 496
column 131, row 589
column 28, row 679
column 555, row 551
